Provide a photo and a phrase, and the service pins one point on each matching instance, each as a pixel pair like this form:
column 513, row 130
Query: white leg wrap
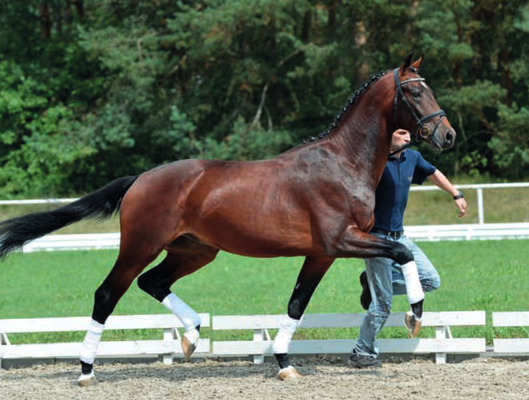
column 91, row 342
column 192, row 335
column 189, row 318
column 284, row 336
column 413, row 284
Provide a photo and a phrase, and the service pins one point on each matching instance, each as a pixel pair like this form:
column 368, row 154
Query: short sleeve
column 423, row 169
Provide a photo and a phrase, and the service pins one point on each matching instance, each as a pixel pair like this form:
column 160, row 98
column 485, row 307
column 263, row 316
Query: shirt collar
column 402, row 156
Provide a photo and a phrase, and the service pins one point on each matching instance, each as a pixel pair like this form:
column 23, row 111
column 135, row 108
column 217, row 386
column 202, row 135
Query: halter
column 420, row 131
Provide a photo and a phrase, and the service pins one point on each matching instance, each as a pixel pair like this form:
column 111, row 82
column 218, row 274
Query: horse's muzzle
column 449, row 139
column 441, row 139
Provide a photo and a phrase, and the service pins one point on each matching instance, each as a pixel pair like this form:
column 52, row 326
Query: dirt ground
column 324, row 378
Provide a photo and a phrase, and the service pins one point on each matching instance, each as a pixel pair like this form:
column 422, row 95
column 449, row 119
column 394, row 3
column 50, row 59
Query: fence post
column 170, row 334
column 258, row 336
column 442, row 332
column 480, row 206
column 4, row 341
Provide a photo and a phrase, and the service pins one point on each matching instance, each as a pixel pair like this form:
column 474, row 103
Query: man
column 383, row 277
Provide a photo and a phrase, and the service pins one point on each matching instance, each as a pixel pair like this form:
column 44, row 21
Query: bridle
column 420, row 131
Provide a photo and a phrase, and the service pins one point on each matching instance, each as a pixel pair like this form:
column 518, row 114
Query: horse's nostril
column 449, row 137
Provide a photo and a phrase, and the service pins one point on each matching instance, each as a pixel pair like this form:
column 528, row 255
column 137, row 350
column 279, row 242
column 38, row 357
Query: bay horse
column 315, row 200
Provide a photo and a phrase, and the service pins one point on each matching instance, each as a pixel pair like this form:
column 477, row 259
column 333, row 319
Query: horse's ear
column 407, row 62
column 417, row 64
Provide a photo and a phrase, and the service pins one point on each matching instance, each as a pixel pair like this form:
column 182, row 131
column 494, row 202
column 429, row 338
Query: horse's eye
column 416, row 94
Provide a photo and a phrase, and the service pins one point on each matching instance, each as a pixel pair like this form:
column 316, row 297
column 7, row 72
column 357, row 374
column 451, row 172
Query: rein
column 420, row 131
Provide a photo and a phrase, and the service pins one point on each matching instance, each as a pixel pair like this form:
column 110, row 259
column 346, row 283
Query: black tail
column 16, row 232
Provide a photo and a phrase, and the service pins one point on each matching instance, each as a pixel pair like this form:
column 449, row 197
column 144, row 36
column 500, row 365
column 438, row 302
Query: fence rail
column 479, row 189
column 511, row 319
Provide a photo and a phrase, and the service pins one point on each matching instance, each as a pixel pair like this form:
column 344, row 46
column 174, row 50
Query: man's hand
column 442, row 182
column 462, row 206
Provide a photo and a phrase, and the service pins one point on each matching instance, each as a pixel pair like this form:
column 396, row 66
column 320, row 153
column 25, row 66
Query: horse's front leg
column 355, row 243
column 309, row 277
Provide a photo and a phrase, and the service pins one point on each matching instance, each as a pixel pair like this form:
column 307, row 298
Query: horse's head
column 415, row 108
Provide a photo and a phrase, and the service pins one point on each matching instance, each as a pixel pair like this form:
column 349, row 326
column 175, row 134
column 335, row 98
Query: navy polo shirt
column 391, row 196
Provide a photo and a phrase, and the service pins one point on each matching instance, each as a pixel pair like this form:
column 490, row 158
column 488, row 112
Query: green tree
column 95, row 89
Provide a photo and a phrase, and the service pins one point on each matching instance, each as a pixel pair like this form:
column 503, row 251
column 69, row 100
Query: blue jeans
column 385, row 280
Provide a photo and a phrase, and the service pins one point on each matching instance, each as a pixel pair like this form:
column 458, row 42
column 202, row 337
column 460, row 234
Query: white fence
column 261, row 345
column 468, row 232
column 479, row 189
column 511, row 319
column 168, row 347
column 85, row 241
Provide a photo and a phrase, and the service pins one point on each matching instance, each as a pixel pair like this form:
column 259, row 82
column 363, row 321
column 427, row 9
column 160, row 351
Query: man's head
column 400, row 138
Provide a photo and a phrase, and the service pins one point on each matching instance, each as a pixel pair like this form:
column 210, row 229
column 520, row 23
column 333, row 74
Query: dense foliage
column 95, row 89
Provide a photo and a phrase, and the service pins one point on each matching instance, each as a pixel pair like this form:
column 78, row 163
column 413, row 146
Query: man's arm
column 442, row 182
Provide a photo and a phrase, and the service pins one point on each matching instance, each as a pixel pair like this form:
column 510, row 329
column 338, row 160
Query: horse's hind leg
column 183, row 258
column 127, row 267
column 309, row 277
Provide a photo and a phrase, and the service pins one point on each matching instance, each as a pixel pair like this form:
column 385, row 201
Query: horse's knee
column 295, row 309
column 401, row 254
column 103, row 304
column 145, row 283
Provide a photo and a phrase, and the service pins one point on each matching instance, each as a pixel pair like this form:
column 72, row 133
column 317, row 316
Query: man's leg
column 378, row 274
column 428, row 276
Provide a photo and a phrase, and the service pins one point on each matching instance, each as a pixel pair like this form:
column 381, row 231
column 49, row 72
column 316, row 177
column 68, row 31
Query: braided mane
column 344, row 109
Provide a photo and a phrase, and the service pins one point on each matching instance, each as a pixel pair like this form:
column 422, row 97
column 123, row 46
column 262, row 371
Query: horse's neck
column 363, row 137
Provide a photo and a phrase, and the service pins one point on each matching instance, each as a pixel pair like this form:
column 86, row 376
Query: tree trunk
column 362, row 71
column 45, row 20
column 506, row 79
column 79, row 6
column 458, row 63
column 414, row 9
column 305, row 28
column 68, row 13
column 332, row 19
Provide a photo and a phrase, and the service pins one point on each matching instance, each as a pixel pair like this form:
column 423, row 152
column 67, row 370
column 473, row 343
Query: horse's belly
column 265, row 249
column 264, row 238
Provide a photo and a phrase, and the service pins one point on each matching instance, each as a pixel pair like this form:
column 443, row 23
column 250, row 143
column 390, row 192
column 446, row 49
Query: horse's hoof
column 288, row 373
column 413, row 324
column 87, row 380
column 188, row 348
